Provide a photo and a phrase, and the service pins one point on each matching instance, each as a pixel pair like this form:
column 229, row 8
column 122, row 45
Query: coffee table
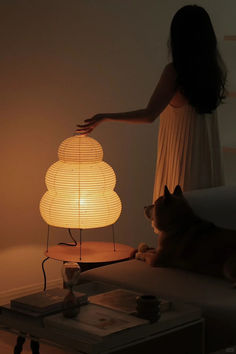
column 179, row 331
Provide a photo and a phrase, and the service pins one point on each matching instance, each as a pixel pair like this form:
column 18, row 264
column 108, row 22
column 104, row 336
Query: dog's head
column 168, row 210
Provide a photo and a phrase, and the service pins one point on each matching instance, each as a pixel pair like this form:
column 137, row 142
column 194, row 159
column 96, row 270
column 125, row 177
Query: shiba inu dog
column 186, row 241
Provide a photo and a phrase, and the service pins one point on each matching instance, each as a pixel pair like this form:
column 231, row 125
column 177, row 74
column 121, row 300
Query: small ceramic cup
column 148, row 307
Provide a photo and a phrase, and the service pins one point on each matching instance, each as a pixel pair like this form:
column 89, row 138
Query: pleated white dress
column 189, row 150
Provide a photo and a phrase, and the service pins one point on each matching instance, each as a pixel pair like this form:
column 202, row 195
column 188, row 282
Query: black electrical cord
column 44, row 274
column 69, row 244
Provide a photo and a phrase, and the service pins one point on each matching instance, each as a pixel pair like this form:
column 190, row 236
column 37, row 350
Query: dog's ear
column 178, row 191
column 166, row 192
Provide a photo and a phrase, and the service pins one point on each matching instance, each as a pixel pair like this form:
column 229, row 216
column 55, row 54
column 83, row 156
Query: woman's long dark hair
column 201, row 73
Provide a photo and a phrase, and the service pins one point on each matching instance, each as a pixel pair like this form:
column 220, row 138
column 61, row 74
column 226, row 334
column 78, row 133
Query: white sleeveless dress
column 189, row 151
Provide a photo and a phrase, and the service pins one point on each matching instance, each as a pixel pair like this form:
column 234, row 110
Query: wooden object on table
column 90, row 252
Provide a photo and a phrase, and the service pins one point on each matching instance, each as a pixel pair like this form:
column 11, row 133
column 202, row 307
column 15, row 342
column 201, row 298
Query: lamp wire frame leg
column 43, row 269
column 80, row 243
column 48, row 233
column 113, row 237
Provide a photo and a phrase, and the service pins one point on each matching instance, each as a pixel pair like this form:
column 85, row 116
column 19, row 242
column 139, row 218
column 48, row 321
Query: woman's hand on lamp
column 89, row 124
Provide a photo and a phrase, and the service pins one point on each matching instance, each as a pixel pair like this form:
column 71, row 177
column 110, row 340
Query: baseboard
column 6, row 296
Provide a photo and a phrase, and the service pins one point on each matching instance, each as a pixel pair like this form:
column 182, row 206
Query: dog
column 187, row 241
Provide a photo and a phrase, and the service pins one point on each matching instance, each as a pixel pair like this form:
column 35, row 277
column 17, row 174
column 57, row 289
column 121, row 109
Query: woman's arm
column 164, row 91
column 160, row 98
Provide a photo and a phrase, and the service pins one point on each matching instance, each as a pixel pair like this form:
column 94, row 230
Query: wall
column 61, row 62
column 223, row 20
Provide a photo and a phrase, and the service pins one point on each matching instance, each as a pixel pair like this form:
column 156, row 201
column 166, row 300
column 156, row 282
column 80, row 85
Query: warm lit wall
column 61, row 62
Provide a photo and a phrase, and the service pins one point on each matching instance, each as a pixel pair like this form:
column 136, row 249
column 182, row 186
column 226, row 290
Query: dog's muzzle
column 148, row 211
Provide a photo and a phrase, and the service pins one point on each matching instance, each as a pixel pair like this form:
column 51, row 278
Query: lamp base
column 90, row 252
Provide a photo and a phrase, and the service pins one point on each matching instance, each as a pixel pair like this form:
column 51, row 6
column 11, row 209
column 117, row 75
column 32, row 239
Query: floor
column 8, row 341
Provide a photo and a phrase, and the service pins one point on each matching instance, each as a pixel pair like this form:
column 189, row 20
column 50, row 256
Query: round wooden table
column 91, row 254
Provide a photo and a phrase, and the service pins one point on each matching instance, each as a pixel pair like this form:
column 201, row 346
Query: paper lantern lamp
column 80, row 187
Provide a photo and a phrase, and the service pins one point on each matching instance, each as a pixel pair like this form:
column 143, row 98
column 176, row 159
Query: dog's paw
column 143, row 247
column 139, row 256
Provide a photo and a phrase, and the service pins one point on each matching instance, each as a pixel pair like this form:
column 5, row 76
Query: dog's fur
column 187, row 241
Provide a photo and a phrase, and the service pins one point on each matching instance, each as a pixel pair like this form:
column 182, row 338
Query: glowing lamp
column 80, row 187
column 80, row 195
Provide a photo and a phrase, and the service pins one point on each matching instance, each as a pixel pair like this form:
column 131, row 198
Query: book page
column 119, row 299
column 123, row 300
column 95, row 320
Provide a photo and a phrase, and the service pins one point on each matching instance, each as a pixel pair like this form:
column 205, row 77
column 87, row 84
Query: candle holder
column 71, row 274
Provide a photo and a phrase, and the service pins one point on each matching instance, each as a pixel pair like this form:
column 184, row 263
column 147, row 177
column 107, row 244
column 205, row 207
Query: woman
column 190, row 89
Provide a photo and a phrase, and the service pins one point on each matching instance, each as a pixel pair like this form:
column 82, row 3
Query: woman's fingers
column 84, row 125
column 84, row 131
column 84, row 128
column 89, row 122
column 90, row 119
column 88, row 125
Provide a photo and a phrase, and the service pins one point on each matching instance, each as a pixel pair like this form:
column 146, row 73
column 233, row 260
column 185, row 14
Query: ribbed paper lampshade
column 80, row 187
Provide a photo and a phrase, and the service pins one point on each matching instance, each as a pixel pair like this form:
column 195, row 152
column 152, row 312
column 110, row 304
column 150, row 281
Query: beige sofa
column 214, row 296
